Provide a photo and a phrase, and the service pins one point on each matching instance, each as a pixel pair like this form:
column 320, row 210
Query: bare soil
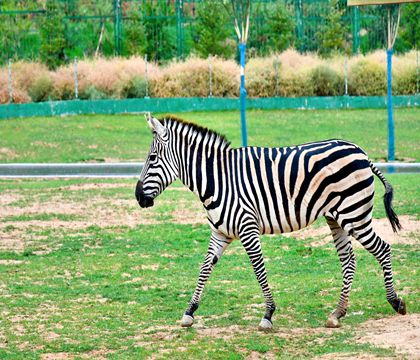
column 399, row 332
column 113, row 212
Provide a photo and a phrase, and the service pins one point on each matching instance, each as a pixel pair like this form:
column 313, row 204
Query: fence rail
column 126, row 170
column 165, row 105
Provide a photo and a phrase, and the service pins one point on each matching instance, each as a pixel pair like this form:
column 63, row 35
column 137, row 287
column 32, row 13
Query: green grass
column 127, row 137
column 119, row 291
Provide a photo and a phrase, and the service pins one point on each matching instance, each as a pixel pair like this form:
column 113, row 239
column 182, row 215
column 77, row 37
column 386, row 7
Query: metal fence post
column 346, row 77
column 417, row 71
column 146, row 77
column 299, row 25
column 76, row 83
column 355, row 27
column 10, row 82
column 242, row 94
column 210, row 78
column 276, row 65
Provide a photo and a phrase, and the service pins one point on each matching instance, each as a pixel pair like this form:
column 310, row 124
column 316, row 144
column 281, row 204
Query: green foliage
column 134, row 35
column 134, row 88
column 406, row 82
column 52, row 35
column 160, row 36
column 212, row 30
column 367, row 78
column 92, row 93
column 332, row 34
column 280, row 27
column 326, row 81
column 41, row 89
column 409, row 34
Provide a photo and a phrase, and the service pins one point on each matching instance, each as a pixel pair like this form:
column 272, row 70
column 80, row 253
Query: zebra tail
column 389, row 194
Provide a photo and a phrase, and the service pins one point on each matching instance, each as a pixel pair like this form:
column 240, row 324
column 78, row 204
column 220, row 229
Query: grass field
column 127, row 137
column 86, row 274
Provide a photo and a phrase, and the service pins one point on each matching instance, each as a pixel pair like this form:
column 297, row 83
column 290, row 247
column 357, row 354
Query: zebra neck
column 200, row 167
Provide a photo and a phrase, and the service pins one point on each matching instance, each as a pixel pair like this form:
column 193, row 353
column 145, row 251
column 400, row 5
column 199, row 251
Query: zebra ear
column 155, row 124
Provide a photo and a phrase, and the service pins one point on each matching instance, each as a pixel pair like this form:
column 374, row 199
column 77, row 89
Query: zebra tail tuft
column 388, row 196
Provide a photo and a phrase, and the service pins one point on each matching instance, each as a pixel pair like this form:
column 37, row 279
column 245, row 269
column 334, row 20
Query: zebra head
column 158, row 170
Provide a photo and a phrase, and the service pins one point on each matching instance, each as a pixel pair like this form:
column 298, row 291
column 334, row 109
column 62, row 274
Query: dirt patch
column 7, row 154
column 9, row 198
column 351, row 356
column 399, row 332
column 95, row 186
column 57, row 356
column 407, row 236
column 11, row 262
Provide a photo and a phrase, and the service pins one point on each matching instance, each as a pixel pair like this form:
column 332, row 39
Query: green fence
column 169, row 105
column 167, row 29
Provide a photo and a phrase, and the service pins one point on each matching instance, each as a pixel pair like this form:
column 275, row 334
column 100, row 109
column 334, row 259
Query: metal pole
column 276, row 65
column 117, row 27
column 76, row 83
column 10, row 82
column 417, row 71
column 355, row 22
column 210, row 78
column 391, row 146
column 180, row 28
column 346, row 80
column 146, row 77
column 242, row 92
column 299, row 25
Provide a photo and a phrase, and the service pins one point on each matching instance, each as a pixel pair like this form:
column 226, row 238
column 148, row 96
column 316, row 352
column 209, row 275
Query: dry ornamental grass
column 110, row 78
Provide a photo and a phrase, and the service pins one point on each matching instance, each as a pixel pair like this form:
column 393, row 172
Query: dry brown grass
column 190, row 78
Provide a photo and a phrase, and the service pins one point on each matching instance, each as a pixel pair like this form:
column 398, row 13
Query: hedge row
column 288, row 74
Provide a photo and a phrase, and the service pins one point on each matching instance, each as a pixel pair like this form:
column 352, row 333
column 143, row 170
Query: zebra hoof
column 399, row 306
column 187, row 321
column 265, row 325
column 332, row 322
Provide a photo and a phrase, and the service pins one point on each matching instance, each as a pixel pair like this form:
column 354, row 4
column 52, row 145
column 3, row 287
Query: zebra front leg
column 251, row 242
column 342, row 242
column 218, row 244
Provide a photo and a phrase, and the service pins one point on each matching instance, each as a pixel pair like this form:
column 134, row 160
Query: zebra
column 250, row 191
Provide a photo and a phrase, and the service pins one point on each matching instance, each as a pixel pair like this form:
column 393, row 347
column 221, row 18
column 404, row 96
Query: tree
column 409, row 28
column 134, row 35
column 161, row 42
column 52, row 31
column 280, row 27
column 332, row 35
column 211, row 30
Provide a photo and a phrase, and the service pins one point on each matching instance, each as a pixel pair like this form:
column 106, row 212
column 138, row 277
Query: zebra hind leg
column 342, row 242
column 382, row 252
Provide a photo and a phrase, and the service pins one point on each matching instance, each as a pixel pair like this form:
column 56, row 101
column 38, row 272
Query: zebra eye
column 153, row 157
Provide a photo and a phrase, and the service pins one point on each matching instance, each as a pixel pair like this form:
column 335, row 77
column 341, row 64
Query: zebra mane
column 205, row 132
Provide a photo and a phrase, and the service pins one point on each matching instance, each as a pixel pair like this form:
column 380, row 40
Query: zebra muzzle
column 143, row 200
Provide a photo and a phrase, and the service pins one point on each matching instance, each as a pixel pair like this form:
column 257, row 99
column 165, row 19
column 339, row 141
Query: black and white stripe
column 252, row 191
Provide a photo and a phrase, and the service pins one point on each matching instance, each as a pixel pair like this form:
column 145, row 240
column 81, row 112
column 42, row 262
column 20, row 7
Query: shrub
column 405, row 82
column 41, row 89
column 92, row 93
column 367, row 78
column 326, row 82
column 261, row 77
column 191, row 79
column 134, row 88
column 295, row 85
